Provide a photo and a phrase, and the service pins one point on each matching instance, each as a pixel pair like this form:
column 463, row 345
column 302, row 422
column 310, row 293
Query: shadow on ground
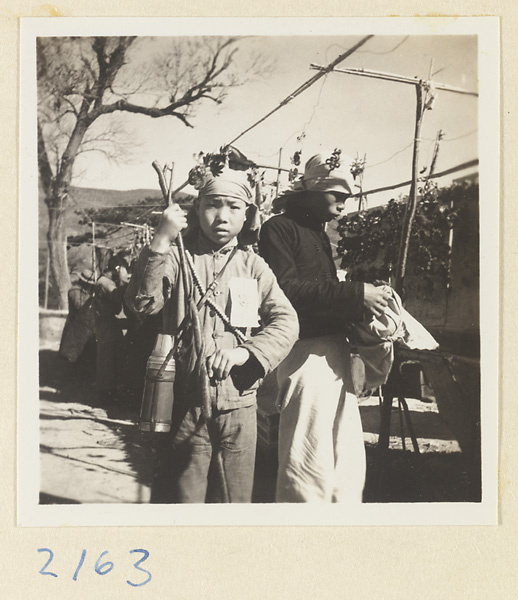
column 70, row 404
column 407, row 477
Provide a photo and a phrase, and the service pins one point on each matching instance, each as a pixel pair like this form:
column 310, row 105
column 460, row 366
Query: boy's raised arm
column 145, row 293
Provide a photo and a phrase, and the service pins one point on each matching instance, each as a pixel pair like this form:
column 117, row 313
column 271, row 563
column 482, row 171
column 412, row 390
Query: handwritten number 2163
column 101, row 568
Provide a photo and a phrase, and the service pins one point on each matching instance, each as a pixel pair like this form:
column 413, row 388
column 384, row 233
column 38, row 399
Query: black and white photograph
column 258, row 267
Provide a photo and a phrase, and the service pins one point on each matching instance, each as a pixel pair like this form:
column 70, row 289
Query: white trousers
column 321, row 446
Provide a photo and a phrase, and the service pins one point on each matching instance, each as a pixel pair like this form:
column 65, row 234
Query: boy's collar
column 206, row 246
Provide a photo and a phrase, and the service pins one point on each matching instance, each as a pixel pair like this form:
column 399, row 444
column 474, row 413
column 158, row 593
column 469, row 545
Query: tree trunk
column 57, row 202
column 57, row 242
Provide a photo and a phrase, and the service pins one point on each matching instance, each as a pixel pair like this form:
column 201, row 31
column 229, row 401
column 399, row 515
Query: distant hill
column 96, row 198
column 84, row 198
column 80, row 255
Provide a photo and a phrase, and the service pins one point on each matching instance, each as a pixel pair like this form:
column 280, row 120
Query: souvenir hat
column 327, row 172
column 323, row 172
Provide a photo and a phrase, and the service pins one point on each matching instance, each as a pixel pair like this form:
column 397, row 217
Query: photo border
column 31, row 514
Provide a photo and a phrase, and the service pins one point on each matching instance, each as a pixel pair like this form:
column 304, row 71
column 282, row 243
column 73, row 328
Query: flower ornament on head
column 197, row 176
column 333, row 162
column 323, row 172
column 216, row 163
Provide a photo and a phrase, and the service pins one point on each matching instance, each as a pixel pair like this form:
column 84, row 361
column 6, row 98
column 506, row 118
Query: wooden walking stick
column 201, row 367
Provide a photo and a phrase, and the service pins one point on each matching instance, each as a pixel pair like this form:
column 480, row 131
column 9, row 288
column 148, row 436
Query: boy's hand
column 375, row 298
column 172, row 221
column 221, row 362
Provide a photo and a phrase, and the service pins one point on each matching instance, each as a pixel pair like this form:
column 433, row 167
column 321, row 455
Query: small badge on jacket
column 244, row 302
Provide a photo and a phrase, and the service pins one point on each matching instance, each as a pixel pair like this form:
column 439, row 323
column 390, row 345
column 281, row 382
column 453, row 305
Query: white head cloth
column 320, row 176
column 230, row 183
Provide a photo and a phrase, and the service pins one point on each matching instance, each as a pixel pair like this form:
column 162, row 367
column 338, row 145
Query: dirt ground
column 96, row 454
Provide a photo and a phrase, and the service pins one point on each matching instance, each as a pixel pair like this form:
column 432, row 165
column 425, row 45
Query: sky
column 359, row 115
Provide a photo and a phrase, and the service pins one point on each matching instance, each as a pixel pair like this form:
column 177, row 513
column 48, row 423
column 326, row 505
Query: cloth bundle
column 372, row 344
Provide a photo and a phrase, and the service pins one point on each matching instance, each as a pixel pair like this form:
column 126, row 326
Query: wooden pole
column 412, row 197
column 278, row 173
column 394, row 186
column 258, row 193
column 47, row 277
column 438, row 139
column 94, row 257
column 307, row 84
column 396, row 79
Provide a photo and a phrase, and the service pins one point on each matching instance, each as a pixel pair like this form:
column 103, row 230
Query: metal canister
column 158, row 395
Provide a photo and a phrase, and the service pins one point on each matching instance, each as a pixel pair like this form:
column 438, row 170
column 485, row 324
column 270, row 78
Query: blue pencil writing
column 81, row 561
column 51, row 556
column 136, row 565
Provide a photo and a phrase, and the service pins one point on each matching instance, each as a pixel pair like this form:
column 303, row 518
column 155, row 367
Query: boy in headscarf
column 321, row 447
column 242, row 287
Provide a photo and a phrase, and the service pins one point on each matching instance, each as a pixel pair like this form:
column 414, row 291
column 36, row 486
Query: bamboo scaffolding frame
column 302, row 88
column 422, row 88
column 396, row 79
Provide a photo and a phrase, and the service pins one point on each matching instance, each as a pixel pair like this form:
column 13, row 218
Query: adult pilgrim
column 321, row 447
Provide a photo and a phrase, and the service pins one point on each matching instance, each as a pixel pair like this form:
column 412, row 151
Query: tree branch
column 155, row 113
column 108, row 67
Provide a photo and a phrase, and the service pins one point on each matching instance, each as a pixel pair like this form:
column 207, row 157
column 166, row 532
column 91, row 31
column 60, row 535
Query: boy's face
column 221, row 217
column 326, row 206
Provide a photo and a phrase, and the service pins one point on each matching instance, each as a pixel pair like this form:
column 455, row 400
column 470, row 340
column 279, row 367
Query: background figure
column 107, row 303
column 79, row 329
column 81, row 291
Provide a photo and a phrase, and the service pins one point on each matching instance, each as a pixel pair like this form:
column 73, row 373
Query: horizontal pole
column 372, row 74
column 306, row 85
column 133, row 225
column 397, row 79
column 466, row 165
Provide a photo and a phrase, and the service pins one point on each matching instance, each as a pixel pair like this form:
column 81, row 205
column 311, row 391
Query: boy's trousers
column 321, row 446
column 185, row 460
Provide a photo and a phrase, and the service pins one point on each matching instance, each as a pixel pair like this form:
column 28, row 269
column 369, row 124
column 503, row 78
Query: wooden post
column 94, row 257
column 438, row 139
column 278, row 173
column 412, row 197
column 258, row 193
column 47, row 276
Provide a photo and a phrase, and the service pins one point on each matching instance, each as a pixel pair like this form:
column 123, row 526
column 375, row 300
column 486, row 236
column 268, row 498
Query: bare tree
column 83, row 81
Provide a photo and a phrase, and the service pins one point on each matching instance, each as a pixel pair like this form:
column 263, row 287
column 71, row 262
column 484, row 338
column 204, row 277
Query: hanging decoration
column 215, row 162
column 357, row 170
column 333, row 162
column 295, row 160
